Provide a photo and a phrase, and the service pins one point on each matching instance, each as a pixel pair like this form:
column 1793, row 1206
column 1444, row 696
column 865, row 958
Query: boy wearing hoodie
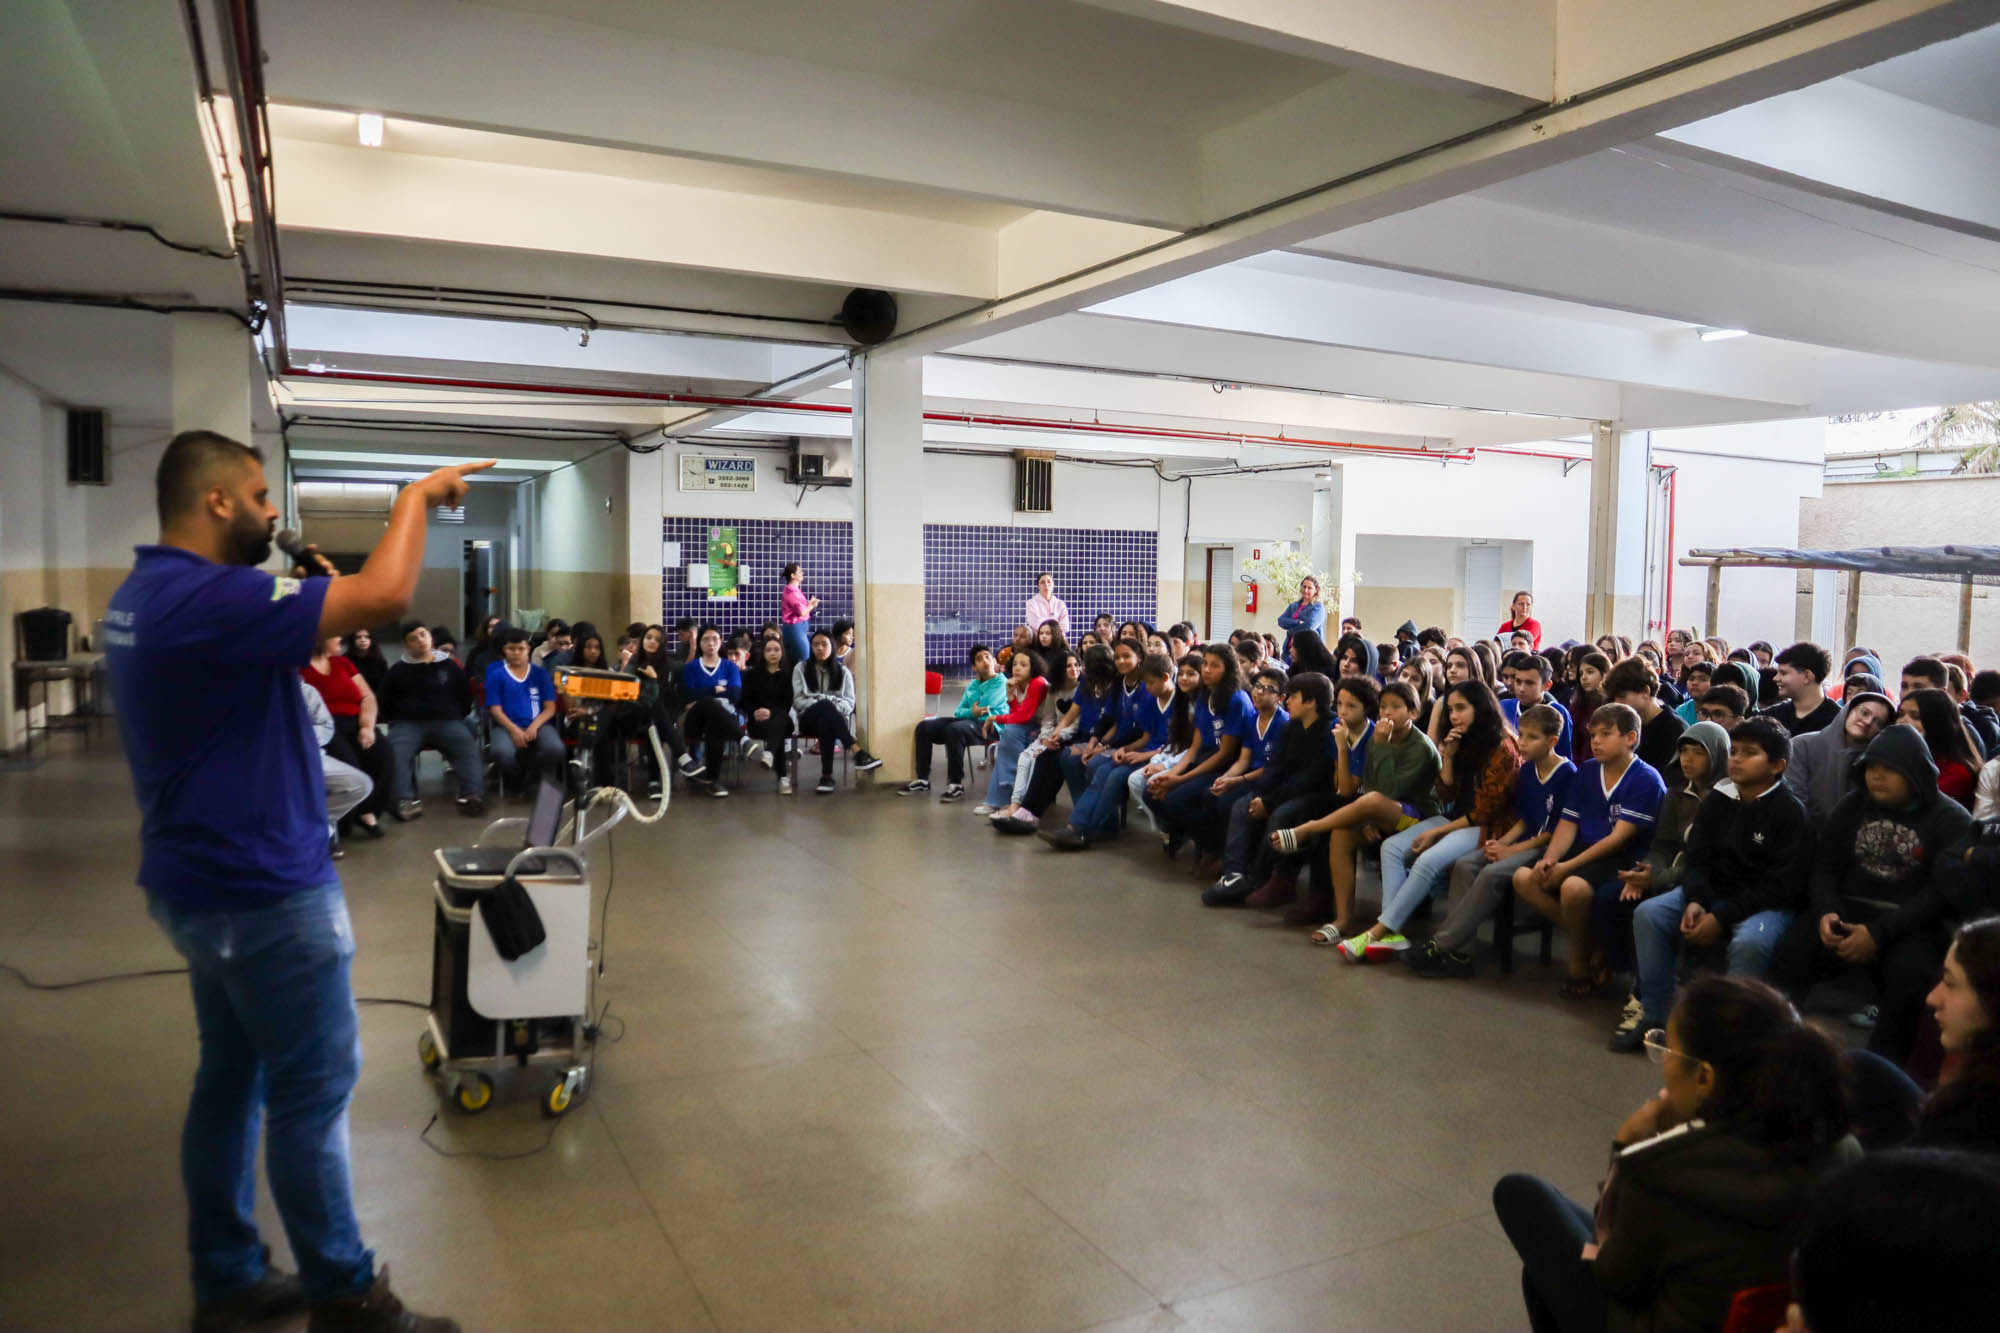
column 1880, row 890
column 1741, row 876
column 1823, row 764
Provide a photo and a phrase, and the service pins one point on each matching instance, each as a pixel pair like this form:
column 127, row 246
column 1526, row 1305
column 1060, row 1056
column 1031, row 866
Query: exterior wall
column 1902, row 618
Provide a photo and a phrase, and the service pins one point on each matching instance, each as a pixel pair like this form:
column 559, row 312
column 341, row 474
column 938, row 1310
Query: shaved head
column 196, row 462
column 212, row 497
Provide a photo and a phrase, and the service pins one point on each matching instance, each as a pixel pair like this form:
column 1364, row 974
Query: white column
column 213, row 364
column 1614, row 586
column 889, row 554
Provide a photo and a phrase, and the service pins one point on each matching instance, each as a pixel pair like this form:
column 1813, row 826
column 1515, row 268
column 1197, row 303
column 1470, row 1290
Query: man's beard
column 250, row 543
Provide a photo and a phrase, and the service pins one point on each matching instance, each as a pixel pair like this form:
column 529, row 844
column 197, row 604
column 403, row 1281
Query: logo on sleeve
column 282, row 588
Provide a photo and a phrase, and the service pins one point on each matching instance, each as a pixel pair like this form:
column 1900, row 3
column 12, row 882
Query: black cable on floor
column 423, row 1137
column 33, row 984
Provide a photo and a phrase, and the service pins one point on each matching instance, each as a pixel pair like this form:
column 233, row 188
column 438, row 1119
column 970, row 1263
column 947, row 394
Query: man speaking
column 203, row 650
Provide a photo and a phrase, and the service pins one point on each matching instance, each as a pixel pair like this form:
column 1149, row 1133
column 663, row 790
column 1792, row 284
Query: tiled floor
column 880, row 1070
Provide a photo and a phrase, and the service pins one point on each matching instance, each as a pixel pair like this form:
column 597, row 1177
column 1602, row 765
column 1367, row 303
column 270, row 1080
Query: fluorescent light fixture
column 1720, row 335
column 362, row 459
column 368, row 126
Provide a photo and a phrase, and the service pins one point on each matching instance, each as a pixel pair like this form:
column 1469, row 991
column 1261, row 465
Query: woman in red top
column 1935, row 716
column 355, row 740
column 1027, row 691
column 1521, row 617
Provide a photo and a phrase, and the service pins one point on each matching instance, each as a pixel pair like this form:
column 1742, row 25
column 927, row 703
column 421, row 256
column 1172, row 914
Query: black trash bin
column 45, row 634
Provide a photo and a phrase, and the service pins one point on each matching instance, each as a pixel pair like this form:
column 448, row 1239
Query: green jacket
column 1406, row 771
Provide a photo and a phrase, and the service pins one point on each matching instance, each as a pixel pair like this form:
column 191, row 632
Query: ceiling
column 1181, row 212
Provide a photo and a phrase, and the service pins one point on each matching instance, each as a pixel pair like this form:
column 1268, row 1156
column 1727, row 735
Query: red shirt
column 1531, row 626
column 1958, row 782
column 337, row 685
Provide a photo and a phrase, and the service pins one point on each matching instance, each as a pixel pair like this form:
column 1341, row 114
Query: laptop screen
column 542, row 825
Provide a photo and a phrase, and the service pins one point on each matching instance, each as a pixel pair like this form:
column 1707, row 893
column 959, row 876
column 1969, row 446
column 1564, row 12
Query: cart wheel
column 473, row 1094
column 557, row 1099
column 427, row 1050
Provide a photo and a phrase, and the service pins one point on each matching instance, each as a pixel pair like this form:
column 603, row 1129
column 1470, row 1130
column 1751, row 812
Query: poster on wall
column 722, row 568
column 708, row 472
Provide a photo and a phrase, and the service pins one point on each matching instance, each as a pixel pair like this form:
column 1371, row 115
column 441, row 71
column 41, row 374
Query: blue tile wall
column 977, row 581
column 976, row 578
column 825, row 548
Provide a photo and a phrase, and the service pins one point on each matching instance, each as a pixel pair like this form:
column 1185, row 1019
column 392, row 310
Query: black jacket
column 1693, row 1220
column 425, row 692
column 767, row 689
column 1301, row 764
column 1898, row 871
column 1984, row 724
column 1746, row 857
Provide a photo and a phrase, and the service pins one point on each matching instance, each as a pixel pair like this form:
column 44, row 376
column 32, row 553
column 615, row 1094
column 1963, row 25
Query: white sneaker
column 753, row 749
column 983, row 809
column 784, row 786
column 764, row 757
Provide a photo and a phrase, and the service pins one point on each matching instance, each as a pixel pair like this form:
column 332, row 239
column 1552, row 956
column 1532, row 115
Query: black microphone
column 303, row 554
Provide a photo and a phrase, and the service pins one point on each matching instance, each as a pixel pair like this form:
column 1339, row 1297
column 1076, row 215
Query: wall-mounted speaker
column 88, row 464
column 868, row 315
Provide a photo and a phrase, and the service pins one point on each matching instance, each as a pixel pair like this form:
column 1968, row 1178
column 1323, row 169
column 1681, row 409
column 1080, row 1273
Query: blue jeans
column 1407, row 880
column 279, row 1042
column 798, row 640
column 1075, row 775
column 1013, row 738
column 547, row 748
column 1656, row 935
column 1179, row 811
column 1097, row 809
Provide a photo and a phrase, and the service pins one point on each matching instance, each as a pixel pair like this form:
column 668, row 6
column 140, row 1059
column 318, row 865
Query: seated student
column 1102, row 627
column 1923, row 673
column 1024, row 638
column 1986, row 795
column 985, row 696
column 682, row 650
column 1935, row 718
column 823, row 708
column 1181, row 641
column 713, row 687
column 1802, row 670
column 1586, row 695
column 1015, row 727
column 1541, row 788
column 1607, row 826
column 521, row 701
column 1981, row 724
column 1527, row 677
column 1708, row 1179
column 767, row 706
column 1480, row 764
column 1724, row 705
column 1421, row 674
column 1742, row 882
column 1064, row 672
column 1290, row 785
column 1357, row 702
column 1259, row 736
column 1180, row 739
column 346, row 786
column 1879, row 889
column 1354, row 656
column 1222, row 712
column 1095, row 815
column 1900, row 1242
column 1825, row 763
column 555, row 639
column 1086, row 700
column 352, row 706
column 1120, row 717
column 1634, row 683
column 1964, row 1113
column 1398, row 788
column 1696, row 677
column 425, row 699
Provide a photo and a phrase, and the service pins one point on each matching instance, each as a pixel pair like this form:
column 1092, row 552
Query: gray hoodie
column 1668, row 854
column 1822, row 769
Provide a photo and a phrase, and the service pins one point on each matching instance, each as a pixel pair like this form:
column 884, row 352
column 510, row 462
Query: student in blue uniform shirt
column 1527, row 675
column 1096, row 812
column 712, row 685
column 1257, row 735
column 1606, row 826
column 1222, row 712
column 203, row 651
column 521, row 700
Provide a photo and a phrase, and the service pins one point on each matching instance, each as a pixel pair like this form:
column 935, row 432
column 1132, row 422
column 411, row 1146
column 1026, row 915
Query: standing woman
column 1045, row 605
column 1308, row 612
column 795, row 613
column 1521, row 616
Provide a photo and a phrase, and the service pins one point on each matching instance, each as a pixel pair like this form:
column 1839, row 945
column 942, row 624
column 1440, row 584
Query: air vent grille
column 1034, row 482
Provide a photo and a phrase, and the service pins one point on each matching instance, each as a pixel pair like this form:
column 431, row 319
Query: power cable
column 115, row 301
column 111, row 224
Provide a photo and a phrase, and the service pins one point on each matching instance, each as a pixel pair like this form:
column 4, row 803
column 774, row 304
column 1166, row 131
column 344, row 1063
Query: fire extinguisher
column 1250, row 598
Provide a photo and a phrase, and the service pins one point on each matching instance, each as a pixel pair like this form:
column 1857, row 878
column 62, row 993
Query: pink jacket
column 1042, row 608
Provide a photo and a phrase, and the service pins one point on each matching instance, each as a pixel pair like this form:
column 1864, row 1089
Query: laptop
column 490, row 860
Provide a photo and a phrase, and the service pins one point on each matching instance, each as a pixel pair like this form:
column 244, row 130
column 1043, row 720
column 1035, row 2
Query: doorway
column 485, row 573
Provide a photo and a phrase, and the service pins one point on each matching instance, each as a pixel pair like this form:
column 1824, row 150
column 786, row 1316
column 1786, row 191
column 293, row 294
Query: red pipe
column 1673, row 494
column 843, row 409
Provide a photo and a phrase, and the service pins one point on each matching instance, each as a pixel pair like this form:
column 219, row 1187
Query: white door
column 1223, row 590
column 1480, row 603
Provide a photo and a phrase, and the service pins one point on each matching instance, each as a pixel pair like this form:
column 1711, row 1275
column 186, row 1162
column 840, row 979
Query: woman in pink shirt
column 1045, row 605
column 795, row 614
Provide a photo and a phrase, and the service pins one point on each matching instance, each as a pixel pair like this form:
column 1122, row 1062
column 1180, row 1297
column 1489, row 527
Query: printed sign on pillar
column 722, row 568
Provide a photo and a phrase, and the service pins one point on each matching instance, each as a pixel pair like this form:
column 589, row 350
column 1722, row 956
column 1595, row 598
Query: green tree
column 1973, row 427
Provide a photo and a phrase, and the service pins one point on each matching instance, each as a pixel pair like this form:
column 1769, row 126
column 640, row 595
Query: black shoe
column 916, row 787
column 472, row 805
column 368, row 830
column 375, row 1310
column 825, row 787
column 1170, row 843
column 408, row 810
column 954, row 791
column 1229, row 891
column 1433, row 963
column 718, row 790
column 334, row 849
column 272, row 1296
column 865, row 761
column 1065, row 840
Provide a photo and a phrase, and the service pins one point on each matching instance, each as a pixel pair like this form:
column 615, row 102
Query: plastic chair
column 933, row 683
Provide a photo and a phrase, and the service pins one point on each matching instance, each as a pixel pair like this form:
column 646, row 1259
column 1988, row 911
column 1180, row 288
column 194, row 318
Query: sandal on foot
column 1288, row 840
column 1328, row 934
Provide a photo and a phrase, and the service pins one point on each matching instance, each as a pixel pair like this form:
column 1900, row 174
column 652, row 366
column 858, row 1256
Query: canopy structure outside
column 1961, row 564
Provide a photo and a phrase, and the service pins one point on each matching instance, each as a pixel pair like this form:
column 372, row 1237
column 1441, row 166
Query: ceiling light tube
column 368, row 127
column 1720, row 335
